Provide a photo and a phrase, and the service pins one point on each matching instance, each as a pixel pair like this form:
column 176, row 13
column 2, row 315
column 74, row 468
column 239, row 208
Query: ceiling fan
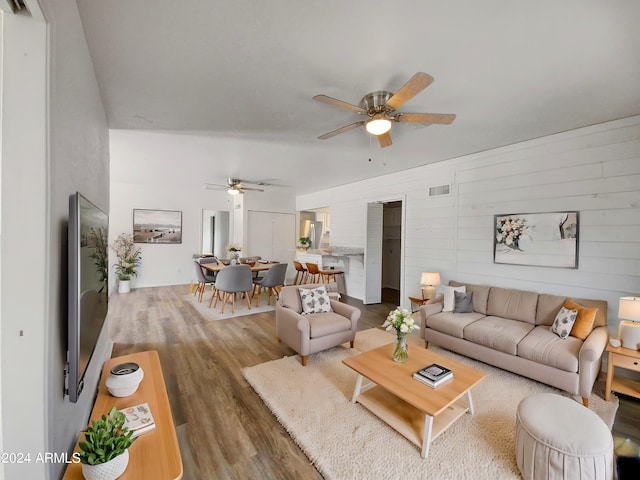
column 381, row 108
column 234, row 186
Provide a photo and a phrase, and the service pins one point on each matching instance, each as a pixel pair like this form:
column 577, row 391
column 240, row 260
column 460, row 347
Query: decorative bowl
column 124, row 379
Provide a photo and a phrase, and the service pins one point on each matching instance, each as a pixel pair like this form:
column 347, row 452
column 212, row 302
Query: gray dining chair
column 202, row 281
column 273, row 279
column 208, row 274
column 233, row 279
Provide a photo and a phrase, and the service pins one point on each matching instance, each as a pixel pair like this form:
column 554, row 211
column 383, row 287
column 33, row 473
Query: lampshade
column 629, row 308
column 430, row 278
column 629, row 329
column 378, row 125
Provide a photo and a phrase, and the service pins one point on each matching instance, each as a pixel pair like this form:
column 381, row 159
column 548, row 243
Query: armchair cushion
column 315, row 300
column 323, row 324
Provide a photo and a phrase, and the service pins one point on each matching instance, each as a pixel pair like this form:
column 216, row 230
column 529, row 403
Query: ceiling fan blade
column 430, row 118
column 214, row 186
column 242, row 187
column 384, row 140
column 338, row 103
column 415, row 85
column 346, row 128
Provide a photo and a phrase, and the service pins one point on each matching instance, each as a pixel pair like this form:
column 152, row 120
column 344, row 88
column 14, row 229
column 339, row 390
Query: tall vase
column 400, row 352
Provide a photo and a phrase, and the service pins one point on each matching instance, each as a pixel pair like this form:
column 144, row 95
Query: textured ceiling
column 510, row 70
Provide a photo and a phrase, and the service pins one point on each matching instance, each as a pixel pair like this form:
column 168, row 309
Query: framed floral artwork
column 537, row 239
column 157, row 226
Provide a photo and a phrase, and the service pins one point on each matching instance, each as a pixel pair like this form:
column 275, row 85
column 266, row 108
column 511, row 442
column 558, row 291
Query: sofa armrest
column 425, row 312
column 288, row 321
column 594, row 345
column 347, row 311
column 589, row 359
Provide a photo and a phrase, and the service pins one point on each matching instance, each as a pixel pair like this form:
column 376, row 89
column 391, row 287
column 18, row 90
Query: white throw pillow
column 315, row 300
column 564, row 322
column 449, row 297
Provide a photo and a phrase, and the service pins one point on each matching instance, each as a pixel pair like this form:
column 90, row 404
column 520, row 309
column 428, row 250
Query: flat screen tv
column 88, row 291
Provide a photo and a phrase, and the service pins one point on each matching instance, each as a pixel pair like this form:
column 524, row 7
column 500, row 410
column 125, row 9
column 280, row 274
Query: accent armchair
column 313, row 332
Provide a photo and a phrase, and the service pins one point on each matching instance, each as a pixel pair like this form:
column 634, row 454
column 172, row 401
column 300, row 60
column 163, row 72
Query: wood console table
column 154, row 454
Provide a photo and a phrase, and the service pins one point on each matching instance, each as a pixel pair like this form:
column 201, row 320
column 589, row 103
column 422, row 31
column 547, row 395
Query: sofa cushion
column 548, row 308
column 544, row 347
column 584, row 320
column 448, row 294
column 501, row 334
column 564, row 321
column 452, row 323
column 463, row 302
column 513, row 304
column 323, row 324
column 480, row 295
column 601, row 305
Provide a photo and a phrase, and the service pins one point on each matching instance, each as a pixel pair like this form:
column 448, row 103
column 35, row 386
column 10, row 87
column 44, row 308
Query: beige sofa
column 510, row 329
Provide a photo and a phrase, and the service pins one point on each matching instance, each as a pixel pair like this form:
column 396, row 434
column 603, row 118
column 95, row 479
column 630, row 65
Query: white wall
column 187, row 162
column 595, row 170
column 58, row 133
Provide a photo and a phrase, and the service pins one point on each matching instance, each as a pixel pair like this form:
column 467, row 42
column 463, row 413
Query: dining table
column 256, row 267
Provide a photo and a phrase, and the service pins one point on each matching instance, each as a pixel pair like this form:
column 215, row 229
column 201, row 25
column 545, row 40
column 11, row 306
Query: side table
column 418, row 301
column 621, row 357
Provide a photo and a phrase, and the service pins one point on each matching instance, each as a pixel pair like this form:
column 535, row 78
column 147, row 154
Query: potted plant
column 104, row 453
column 304, row 242
column 129, row 259
column 234, row 250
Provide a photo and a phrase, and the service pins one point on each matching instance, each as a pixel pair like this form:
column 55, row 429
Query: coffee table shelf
column 406, row 419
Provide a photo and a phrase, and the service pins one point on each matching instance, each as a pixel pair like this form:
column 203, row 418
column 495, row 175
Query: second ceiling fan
column 380, row 108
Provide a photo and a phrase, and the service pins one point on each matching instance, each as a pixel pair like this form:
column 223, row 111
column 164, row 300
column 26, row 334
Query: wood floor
column 225, row 430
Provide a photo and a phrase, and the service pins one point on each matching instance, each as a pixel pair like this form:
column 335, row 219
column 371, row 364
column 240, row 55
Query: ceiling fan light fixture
column 378, row 125
column 233, row 191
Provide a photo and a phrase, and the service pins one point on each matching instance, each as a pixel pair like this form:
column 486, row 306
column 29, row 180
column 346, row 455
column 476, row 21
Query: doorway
column 383, row 265
column 391, row 248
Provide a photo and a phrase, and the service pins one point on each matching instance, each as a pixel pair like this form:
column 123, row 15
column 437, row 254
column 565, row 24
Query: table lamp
column 629, row 329
column 427, row 281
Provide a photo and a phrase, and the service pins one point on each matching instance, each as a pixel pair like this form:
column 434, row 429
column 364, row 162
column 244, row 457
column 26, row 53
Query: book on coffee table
column 433, row 375
column 431, row 383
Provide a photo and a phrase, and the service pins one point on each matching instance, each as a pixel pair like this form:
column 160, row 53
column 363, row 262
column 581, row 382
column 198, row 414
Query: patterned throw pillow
column 563, row 322
column 315, row 300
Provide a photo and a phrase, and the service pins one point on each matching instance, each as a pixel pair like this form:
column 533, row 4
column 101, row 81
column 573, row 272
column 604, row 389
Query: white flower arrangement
column 510, row 230
column 234, row 250
column 401, row 321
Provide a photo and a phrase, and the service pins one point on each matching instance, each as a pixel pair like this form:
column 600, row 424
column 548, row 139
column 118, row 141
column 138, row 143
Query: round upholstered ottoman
column 559, row 438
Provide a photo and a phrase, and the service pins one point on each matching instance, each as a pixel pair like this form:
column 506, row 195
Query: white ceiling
column 510, row 70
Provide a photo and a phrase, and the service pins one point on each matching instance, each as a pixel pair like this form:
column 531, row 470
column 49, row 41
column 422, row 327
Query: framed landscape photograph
column 538, row 239
column 157, row 226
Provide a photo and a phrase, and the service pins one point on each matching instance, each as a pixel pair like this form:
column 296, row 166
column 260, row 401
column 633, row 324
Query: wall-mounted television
column 88, row 291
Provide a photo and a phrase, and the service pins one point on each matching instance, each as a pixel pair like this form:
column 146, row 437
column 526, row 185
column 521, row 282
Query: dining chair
column 314, row 272
column 301, row 273
column 208, row 274
column 273, row 279
column 202, row 281
column 233, row 279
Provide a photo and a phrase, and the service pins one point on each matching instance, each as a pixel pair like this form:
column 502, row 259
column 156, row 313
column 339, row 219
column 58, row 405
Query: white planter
column 107, row 471
column 124, row 286
column 124, row 379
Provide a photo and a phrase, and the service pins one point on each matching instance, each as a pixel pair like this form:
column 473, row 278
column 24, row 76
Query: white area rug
column 345, row 441
column 240, row 309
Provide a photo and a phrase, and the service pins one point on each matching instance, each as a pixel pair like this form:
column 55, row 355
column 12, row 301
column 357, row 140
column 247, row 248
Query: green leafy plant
column 105, row 439
column 129, row 257
column 304, row 241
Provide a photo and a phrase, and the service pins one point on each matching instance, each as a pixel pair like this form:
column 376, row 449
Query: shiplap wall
column 594, row 170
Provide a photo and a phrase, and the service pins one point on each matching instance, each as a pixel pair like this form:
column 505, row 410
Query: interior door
column 373, row 254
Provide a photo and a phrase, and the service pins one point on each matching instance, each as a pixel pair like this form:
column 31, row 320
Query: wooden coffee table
column 418, row 412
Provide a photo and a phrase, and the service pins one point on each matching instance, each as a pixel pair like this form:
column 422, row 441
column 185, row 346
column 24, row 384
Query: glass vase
column 400, row 352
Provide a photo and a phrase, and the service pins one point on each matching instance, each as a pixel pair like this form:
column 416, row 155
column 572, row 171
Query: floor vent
column 439, row 190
